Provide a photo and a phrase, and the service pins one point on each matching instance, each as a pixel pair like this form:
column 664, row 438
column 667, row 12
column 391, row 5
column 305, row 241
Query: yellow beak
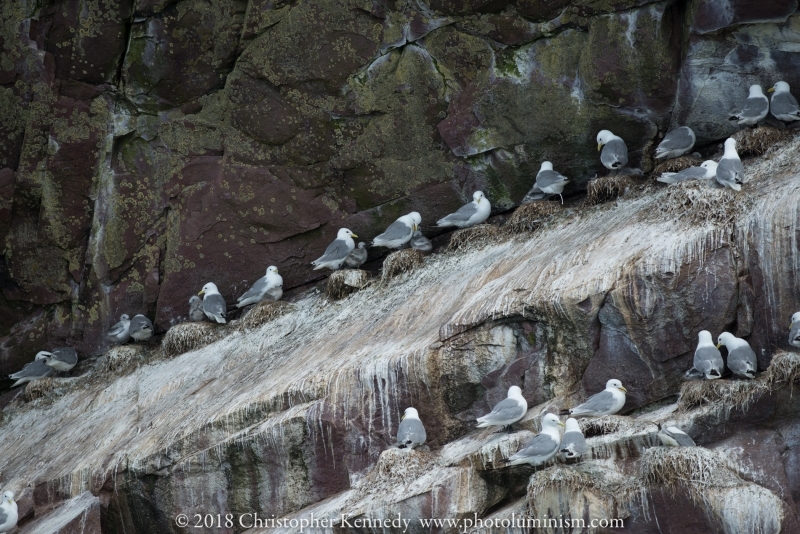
column 201, row 292
column 599, row 146
column 771, row 90
column 414, row 225
column 353, row 235
column 479, row 201
column 719, row 345
column 404, row 416
column 562, row 425
column 276, row 270
column 622, row 389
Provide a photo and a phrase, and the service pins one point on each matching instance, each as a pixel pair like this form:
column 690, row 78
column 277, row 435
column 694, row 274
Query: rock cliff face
column 294, row 416
column 149, row 146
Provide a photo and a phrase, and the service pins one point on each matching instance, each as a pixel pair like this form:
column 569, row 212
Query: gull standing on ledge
column 120, row 332
column 411, row 432
column 706, row 171
column 614, row 150
column 755, row 108
column 357, row 256
column 60, row 359
column 547, row 181
column 730, row 171
column 742, row 361
column 9, row 515
column 676, row 143
column 337, row 252
column 543, row 446
column 507, row 412
column 794, row 330
column 270, row 285
column 213, row 304
column 607, row 402
column 399, row 232
column 141, row 328
column 196, row 309
column 707, row 359
column 573, row 443
column 470, row 214
column 783, row 104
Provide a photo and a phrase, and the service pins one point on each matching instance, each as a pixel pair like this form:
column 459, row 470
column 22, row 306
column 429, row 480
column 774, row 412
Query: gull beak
column 276, row 270
column 599, row 146
column 404, row 416
column 353, row 235
column 771, row 90
column 562, row 425
column 479, row 200
column 719, row 345
column 622, row 389
column 414, row 225
column 201, row 292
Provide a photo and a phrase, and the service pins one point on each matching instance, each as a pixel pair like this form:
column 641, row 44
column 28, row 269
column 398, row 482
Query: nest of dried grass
column 530, row 217
column 123, row 358
column 598, row 426
column 756, row 141
column 186, row 337
column 676, row 164
column 475, row 237
column 400, row 262
column 609, row 188
column 343, row 283
column 37, row 389
column 784, row 369
column 264, row 312
column 699, row 203
column 694, row 468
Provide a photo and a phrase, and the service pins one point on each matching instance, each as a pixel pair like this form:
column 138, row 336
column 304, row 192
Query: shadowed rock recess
column 148, row 147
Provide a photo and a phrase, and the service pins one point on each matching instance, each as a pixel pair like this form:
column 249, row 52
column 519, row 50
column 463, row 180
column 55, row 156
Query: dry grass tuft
column 343, row 283
column 756, row 142
column 529, row 217
column 37, row 389
column 727, row 395
column 400, row 262
column 700, row 203
column 609, row 188
column 695, row 468
column 186, row 337
column 598, row 426
column 471, row 238
column 123, row 358
column 264, row 312
column 676, row 164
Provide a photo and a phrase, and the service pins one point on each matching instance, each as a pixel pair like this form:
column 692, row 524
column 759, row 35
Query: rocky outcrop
column 296, row 415
column 149, row 146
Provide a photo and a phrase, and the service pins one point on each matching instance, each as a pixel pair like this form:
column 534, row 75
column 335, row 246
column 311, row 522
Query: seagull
column 399, row 232
column 547, row 181
column 543, row 446
column 196, row 309
column 120, row 332
column 706, row 171
column 707, row 359
column 742, row 361
column 411, row 432
column 615, row 152
column 270, row 285
column 8, row 512
column 470, row 214
column 676, row 143
column 673, row 436
column 357, row 256
column 730, row 171
column 213, row 304
column 337, row 252
column 420, row 242
column 755, row 108
column 783, row 104
column 506, row 412
column 60, row 359
column 573, row 443
column 32, row 371
column 607, row 402
column 141, row 328
column 794, row 330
